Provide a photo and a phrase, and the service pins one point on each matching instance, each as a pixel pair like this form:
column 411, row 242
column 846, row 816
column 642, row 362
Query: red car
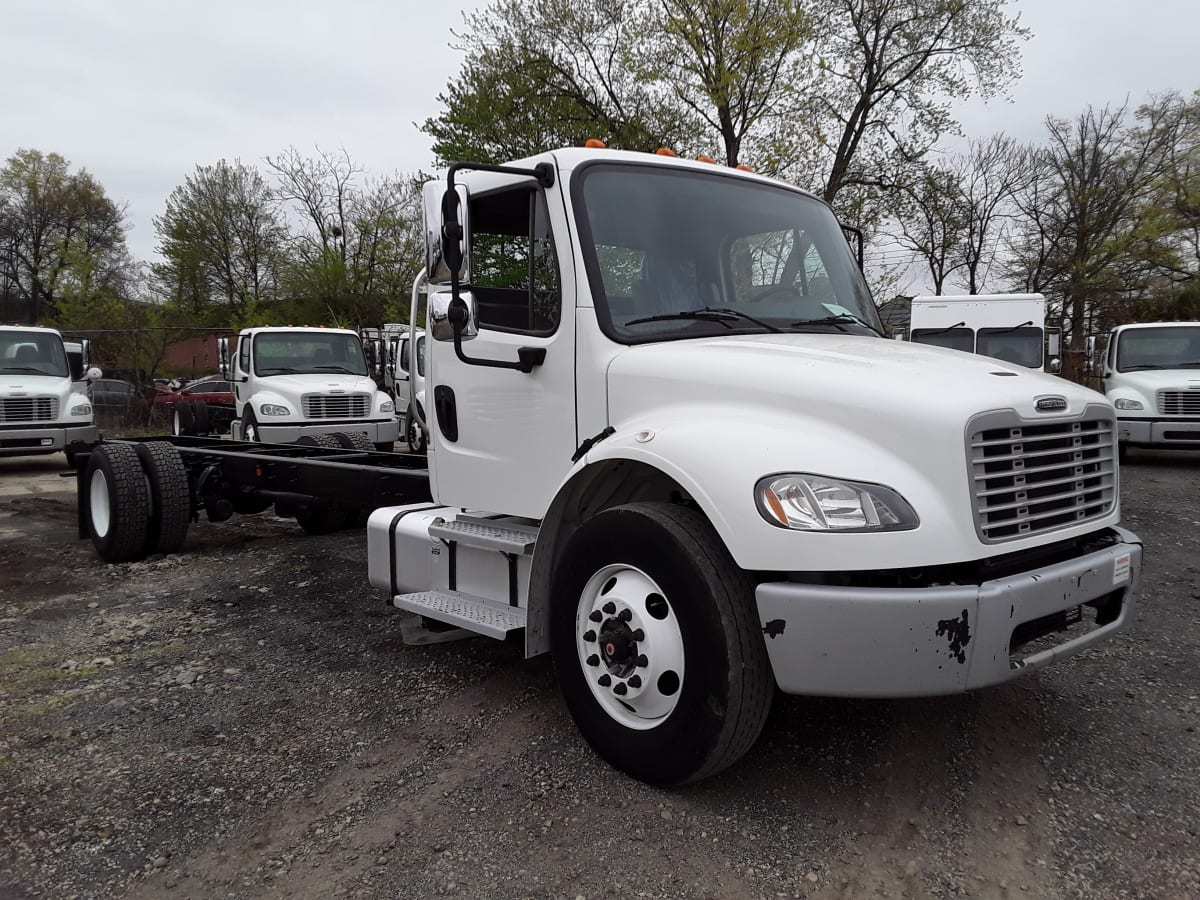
column 216, row 393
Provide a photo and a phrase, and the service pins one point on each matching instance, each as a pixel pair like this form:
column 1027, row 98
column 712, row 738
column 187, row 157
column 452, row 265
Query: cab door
column 502, row 439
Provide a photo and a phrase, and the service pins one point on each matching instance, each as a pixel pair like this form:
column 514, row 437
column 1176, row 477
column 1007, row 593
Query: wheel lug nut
column 642, row 661
column 593, row 660
column 625, row 615
column 604, row 681
column 620, row 689
column 639, row 635
column 635, row 681
column 589, row 635
column 609, row 607
column 595, row 616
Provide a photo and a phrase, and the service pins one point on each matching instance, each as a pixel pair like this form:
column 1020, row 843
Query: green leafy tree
column 59, row 231
column 222, row 243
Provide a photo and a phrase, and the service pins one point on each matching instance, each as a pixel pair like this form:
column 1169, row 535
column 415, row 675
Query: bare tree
column 932, row 220
column 991, row 175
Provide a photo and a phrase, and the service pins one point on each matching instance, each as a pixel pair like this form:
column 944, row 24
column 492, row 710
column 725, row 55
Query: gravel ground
column 243, row 720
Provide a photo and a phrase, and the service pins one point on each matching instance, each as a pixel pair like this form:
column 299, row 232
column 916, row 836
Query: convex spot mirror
column 93, row 374
column 1056, row 365
column 444, row 311
column 223, row 356
column 437, row 203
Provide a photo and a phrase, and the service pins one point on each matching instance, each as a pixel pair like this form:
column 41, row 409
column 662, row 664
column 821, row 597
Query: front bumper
column 378, row 431
column 898, row 642
column 1147, row 432
column 45, row 438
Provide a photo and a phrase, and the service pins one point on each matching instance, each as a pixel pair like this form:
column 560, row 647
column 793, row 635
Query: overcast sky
column 141, row 91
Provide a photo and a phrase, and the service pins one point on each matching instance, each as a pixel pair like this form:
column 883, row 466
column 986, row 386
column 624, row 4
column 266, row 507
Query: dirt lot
column 243, row 720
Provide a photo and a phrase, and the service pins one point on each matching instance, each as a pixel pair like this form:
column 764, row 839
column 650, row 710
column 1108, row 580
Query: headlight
column 1122, row 403
column 274, row 409
column 83, row 409
column 816, row 503
column 387, row 406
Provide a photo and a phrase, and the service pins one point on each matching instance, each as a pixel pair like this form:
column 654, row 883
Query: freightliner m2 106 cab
column 1151, row 373
column 44, row 405
column 670, row 446
column 289, row 383
column 1011, row 327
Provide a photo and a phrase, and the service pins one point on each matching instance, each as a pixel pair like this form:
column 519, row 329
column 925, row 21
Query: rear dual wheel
column 190, row 418
column 321, row 519
column 138, row 500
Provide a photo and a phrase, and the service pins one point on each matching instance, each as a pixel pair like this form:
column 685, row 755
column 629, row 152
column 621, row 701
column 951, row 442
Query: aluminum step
column 505, row 538
column 465, row 611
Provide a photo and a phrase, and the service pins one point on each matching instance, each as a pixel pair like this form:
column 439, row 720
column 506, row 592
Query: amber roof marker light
column 595, row 144
column 665, row 151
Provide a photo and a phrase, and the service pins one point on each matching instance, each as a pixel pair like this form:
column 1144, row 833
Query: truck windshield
column 308, row 353
column 1159, row 348
column 951, row 338
column 674, row 254
column 31, row 353
column 1021, row 346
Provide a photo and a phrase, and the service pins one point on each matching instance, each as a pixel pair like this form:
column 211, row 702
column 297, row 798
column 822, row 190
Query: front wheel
column 414, row 433
column 250, row 427
column 657, row 644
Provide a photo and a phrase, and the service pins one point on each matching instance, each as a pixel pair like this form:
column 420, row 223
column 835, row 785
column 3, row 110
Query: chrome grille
column 28, row 409
column 1179, row 403
column 335, row 406
column 1030, row 478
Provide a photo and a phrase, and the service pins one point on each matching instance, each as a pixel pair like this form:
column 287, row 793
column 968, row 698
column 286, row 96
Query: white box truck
column 671, row 447
column 1008, row 327
column 1151, row 373
column 44, row 405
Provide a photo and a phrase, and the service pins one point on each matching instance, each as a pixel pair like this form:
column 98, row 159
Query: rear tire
column 118, row 503
column 170, row 497
column 182, row 421
column 200, row 422
column 681, row 619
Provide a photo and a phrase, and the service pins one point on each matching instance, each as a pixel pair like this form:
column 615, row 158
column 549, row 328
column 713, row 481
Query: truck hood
column 1151, row 380
column 16, row 385
column 857, row 382
column 295, row 385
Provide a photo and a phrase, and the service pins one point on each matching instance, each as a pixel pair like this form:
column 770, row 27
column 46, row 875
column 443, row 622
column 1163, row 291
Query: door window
column 514, row 267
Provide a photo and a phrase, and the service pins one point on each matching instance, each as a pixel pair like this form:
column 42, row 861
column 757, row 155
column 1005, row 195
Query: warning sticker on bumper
column 1121, row 568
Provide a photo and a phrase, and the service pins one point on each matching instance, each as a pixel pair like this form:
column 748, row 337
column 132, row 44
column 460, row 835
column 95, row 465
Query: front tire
column 657, row 644
column 414, row 434
column 250, row 427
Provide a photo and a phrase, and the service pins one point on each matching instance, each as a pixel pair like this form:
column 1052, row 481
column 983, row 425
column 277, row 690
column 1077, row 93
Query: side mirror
column 393, row 352
column 1055, row 365
column 93, row 374
column 1089, row 354
column 446, row 230
column 85, row 355
column 223, row 356
column 377, row 361
column 446, row 314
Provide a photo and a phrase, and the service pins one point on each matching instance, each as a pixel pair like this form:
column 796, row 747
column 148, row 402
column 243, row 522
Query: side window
column 779, row 264
column 244, row 354
column 514, row 267
column 404, row 356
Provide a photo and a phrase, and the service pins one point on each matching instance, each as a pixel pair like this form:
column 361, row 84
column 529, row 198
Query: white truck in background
column 1008, row 327
column 44, row 406
column 292, row 383
column 399, row 350
column 1151, row 373
column 880, row 519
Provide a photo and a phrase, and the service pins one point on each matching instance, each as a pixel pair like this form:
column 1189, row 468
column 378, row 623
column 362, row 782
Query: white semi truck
column 1008, row 327
column 1151, row 373
column 44, row 406
column 292, row 382
column 670, row 446
column 401, row 360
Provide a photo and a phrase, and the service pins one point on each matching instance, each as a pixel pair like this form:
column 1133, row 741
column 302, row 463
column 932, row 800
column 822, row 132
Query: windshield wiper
column 28, row 370
column 992, row 331
column 925, row 332
column 1143, row 367
column 280, row 370
column 340, row 369
column 838, row 321
column 707, row 314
